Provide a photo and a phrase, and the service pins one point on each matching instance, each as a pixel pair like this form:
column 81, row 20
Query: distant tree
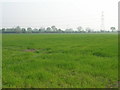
column 35, row 30
column 42, row 29
column 3, row 30
column 29, row 30
column 48, row 29
column 23, row 30
column 59, row 30
column 0, row 30
column 12, row 30
column 18, row 29
column 54, row 28
column 70, row 30
column 113, row 29
column 88, row 30
column 80, row 29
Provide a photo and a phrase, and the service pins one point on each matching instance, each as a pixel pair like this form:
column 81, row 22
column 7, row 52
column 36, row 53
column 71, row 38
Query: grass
column 60, row 60
column 0, row 61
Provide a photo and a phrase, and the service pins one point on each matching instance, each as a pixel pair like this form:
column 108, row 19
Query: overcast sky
column 61, row 13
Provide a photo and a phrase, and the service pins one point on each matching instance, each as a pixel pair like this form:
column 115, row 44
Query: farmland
column 60, row 60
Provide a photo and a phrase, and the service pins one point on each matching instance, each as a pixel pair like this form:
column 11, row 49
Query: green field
column 60, row 60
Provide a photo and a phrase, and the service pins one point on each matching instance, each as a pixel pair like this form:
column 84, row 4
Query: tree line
column 54, row 29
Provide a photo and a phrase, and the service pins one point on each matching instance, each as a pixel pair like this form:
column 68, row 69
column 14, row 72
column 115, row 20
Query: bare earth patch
column 29, row 50
column 45, row 50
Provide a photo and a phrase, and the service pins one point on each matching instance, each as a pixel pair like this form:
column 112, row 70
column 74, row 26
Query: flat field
column 60, row 60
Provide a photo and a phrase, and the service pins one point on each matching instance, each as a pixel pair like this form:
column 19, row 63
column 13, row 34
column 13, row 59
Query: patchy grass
column 60, row 60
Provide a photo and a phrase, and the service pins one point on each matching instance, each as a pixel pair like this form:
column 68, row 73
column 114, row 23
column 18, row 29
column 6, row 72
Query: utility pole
column 102, row 22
